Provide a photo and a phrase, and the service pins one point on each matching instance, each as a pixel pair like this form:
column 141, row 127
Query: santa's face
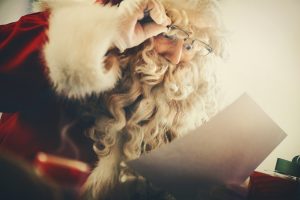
column 177, row 45
column 171, row 70
column 173, row 51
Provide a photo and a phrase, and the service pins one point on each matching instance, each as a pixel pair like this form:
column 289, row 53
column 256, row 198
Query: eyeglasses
column 190, row 45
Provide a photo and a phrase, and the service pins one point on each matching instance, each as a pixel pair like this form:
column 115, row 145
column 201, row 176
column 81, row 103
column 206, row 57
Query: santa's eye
column 169, row 37
column 188, row 46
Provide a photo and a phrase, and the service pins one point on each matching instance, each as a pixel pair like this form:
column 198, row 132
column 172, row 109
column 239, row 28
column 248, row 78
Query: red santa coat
column 22, row 82
column 60, row 50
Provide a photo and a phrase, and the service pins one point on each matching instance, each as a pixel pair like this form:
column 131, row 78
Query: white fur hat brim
column 79, row 35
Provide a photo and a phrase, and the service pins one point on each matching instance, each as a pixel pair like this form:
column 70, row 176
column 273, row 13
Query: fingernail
column 167, row 21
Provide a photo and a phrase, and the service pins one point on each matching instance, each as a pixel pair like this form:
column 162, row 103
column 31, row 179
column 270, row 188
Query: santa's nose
column 174, row 52
column 169, row 49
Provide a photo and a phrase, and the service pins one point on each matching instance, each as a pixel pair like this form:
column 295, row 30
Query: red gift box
column 273, row 186
column 63, row 171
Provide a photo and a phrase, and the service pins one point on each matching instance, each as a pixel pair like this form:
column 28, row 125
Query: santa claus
column 118, row 78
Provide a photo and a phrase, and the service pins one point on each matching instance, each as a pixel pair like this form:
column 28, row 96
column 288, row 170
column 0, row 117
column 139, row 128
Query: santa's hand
column 133, row 31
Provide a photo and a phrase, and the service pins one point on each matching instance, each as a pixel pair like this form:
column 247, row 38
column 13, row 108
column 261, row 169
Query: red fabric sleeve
column 22, row 70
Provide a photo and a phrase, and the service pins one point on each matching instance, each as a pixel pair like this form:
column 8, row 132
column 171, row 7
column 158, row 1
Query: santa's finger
column 158, row 13
column 132, row 6
column 153, row 29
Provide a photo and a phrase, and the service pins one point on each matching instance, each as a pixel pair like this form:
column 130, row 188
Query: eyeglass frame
column 206, row 46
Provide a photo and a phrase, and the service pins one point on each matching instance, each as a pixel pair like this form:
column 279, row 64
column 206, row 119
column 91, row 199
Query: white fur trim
column 42, row 5
column 79, row 36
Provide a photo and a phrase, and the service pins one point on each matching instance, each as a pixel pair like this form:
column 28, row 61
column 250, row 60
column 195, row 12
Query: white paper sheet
column 225, row 150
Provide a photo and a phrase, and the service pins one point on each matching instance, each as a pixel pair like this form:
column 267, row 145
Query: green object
column 296, row 160
column 291, row 168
